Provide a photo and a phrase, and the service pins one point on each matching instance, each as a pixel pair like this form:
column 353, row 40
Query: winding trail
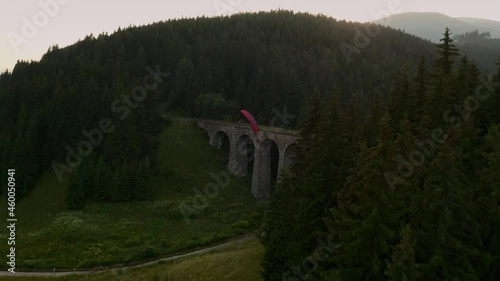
column 235, row 241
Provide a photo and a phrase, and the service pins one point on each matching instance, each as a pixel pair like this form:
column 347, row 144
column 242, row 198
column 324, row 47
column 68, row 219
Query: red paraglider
column 252, row 121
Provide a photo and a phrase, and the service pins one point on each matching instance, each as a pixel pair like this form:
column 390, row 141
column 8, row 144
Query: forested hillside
column 481, row 47
column 204, row 67
column 411, row 195
column 429, row 25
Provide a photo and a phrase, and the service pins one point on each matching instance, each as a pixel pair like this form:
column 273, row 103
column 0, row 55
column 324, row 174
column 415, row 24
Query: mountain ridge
column 429, row 25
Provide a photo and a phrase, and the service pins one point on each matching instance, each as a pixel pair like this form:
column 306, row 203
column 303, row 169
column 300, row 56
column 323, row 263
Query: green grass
column 238, row 262
column 105, row 234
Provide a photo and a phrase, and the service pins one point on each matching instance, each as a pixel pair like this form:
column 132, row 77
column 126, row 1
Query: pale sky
column 27, row 29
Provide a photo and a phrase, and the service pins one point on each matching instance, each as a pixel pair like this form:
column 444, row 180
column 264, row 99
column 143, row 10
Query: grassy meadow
column 238, row 262
column 111, row 234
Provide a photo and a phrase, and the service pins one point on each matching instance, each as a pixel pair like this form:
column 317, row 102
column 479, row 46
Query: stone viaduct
column 240, row 153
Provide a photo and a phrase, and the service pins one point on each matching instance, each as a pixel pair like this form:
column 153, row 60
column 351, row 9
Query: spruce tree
column 400, row 97
column 75, row 198
column 419, row 92
column 125, row 189
column 402, row 265
column 142, row 180
column 446, row 233
column 114, row 194
column 87, row 171
column 487, row 205
column 283, row 254
column 298, row 204
column 364, row 223
column 103, row 178
column 447, row 51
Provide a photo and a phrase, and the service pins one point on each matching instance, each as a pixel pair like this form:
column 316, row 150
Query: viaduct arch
column 242, row 141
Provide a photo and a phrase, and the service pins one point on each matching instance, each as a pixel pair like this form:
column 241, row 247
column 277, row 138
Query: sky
column 29, row 27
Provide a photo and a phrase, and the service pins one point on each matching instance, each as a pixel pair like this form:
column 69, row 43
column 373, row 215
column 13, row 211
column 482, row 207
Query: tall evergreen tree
column 142, row 180
column 75, row 198
column 447, row 51
column 364, row 222
column 448, row 238
column 417, row 98
column 103, row 177
column 487, row 206
column 402, row 265
column 289, row 238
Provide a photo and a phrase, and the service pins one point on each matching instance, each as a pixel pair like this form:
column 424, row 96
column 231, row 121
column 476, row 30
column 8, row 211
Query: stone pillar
column 281, row 164
column 261, row 179
column 216, row 139
column 288, row 157
column 211, row 137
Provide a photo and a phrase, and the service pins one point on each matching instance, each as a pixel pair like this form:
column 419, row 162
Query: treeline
column 216, row 66
column 98, row 181
column 409, row 192
column 481, row 46
column 471, row 36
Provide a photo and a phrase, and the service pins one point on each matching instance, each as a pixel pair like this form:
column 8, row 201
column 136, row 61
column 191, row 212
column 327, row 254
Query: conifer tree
column 289, row 239
column 143, row 180
column 18, row 160
column 103, row 177
column 400, row 97
column 447, row 235
column 402, row 265
column 75, row 198
column 419, row 92
column 487, row 205
column 364, row 221
column 283, row 255
column 183, row 93
column 115, row 184
column 86, row 170
column 493, row 102
column 447, row 51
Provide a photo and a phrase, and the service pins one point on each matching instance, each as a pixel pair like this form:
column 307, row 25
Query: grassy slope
column 239, row 262
column 112, row 234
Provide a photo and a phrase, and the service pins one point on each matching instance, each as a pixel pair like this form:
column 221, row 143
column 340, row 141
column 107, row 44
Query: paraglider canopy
column 250, row 119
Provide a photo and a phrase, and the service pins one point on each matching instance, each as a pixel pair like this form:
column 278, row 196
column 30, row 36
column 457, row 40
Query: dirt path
column 193, row 253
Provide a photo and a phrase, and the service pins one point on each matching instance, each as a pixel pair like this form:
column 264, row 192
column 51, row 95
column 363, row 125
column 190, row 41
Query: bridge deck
column 247, row 126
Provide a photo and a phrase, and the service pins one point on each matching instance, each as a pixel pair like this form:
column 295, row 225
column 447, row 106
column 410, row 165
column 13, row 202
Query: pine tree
column 75, row 198
column 487, row 205
column 446, row 51
column 402, row 265
column 417, row 97
column 32, row 153
column 125, row 189
column 183, row 79
column 493, row 102
column 291, row 238
column 124, row 143
column 283, row 255
column 103, row 177
column 18, row 162
column 114, row 194
column 86, row 169
column 446, row 233
column 142, row 181
column 5, row 148
column 400, row 96
column 140, row 60
column 365, row 221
